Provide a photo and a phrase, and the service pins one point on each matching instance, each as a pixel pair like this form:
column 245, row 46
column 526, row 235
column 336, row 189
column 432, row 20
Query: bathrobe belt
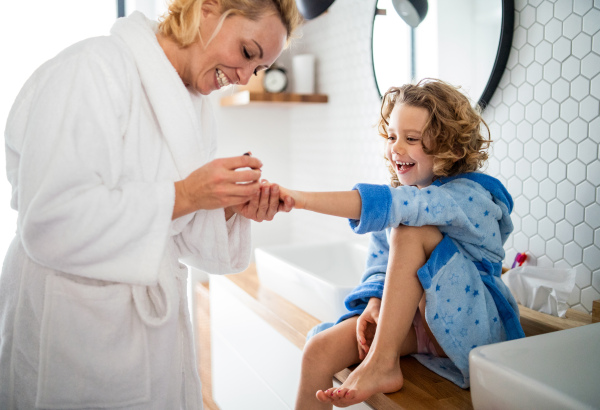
column 510, row 319
column 156, row 303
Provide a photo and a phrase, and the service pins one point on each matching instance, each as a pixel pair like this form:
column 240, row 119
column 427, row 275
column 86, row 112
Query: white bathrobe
column 93, row 309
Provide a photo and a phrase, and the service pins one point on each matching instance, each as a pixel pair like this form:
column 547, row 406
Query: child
column 432, row 285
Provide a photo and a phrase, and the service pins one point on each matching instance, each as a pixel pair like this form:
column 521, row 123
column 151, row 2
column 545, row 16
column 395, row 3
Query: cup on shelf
column 304, row 73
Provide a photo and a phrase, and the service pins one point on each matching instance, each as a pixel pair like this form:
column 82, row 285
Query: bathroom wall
column 265, row 131
column 544, row 120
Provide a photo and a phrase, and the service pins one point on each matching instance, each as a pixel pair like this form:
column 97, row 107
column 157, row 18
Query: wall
column 547, row 118
column 544, row 119
column 336, row 145
column 263, row 130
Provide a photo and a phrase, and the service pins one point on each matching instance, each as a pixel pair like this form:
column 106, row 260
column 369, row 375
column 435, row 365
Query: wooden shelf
column 250, row 97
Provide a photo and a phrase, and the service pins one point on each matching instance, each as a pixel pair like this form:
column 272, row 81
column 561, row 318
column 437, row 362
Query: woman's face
column 240, row 48
column 404, row 148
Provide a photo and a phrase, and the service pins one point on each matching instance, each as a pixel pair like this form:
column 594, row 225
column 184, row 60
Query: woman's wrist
column 229, row 212
column 182, row 204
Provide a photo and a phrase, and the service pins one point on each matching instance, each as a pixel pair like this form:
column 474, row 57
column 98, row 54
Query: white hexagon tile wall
column 544, row 120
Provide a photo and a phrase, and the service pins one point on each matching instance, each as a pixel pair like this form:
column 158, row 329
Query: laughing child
column 432, row 284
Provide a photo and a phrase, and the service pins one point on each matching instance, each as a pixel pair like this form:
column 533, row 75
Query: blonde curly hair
column 183, row 17
column 454, row 127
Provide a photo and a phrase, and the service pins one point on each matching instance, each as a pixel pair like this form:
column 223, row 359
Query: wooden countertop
column 422, row 389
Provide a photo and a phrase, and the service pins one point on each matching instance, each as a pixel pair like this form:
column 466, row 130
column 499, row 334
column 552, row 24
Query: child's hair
column 453, row 127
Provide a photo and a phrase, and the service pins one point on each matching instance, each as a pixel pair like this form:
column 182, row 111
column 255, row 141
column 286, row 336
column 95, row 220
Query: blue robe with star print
column 467, row 304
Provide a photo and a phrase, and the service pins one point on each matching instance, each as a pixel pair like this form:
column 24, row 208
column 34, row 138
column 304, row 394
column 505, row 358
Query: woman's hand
column 366, row 326
column 219, row 184
column 262, row 207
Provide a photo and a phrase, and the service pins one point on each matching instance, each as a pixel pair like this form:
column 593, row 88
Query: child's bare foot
column 370, row 377
column 327, row 395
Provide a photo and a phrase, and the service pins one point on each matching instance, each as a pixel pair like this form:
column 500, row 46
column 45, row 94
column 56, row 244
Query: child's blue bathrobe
column 467, row 304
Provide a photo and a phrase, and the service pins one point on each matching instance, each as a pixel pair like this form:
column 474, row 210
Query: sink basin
column 558, row 370
column 314, row 277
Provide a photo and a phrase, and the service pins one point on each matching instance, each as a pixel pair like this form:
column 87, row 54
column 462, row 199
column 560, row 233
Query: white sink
column 315, row 277
column 558, row 370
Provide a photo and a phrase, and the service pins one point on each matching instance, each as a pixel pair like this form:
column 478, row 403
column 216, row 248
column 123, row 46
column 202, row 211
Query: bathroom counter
column 422, row 389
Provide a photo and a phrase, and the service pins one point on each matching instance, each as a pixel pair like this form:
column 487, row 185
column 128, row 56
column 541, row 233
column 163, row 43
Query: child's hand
column 289, row 199
column 366, row 326
column 261, row 207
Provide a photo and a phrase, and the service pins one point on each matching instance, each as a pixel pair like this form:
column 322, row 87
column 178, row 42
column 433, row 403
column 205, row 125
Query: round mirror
column 463, row 42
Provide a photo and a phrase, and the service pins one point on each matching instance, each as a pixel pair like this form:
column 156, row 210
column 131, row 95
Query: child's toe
column 323, row 396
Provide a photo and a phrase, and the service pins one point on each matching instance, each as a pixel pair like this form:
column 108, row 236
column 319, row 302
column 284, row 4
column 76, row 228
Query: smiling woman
column 110, row 151
column 229, row 47
column 233, row 42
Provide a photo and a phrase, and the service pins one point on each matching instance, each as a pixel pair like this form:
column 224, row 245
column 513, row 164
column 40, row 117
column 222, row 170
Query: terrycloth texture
column 467, row 303
column 92, row 295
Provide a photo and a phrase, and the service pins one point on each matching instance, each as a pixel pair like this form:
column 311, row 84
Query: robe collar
column 171, row 101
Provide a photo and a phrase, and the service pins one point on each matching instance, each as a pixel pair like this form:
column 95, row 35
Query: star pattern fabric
column 467, row 303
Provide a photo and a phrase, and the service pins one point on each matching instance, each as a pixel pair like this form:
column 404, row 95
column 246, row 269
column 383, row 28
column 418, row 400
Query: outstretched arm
column 346, row 204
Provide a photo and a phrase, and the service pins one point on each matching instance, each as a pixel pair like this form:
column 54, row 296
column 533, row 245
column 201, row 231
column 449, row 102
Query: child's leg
column 324, row 355
column 410, row 247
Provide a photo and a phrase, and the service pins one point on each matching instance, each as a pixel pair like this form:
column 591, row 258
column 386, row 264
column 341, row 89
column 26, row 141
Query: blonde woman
column 110, row 152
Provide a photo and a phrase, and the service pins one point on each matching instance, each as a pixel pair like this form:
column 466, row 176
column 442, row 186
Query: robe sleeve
column 206, row 241
column 213, row 245
column 466, row 212
column 76, row 213
column 463, row 209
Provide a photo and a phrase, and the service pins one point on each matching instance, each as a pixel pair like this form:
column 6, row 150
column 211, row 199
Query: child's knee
column 316, row 348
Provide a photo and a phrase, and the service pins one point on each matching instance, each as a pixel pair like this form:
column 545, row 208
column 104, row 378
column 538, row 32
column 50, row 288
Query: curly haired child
column 432, row 284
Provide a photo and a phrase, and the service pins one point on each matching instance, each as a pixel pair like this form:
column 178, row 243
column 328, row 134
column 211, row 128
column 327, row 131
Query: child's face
column 404, row 147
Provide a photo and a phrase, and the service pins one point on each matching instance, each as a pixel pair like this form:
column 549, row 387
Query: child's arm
column 346, row 204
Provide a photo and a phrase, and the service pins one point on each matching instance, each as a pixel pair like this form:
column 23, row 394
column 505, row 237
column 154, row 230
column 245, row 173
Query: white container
column 304, row 73
column 315, row 277
column 558, row 370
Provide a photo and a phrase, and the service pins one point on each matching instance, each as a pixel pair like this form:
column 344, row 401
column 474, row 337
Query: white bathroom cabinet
column 253, row 365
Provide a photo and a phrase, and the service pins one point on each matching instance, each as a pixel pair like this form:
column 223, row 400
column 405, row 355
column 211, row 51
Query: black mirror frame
column 120, row 8
column 504, row 46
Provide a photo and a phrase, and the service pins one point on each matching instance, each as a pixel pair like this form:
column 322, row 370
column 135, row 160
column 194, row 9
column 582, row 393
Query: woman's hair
column 453, row 129
column 183, row 17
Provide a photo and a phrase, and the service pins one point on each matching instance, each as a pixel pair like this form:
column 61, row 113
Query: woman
column 109, row 152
